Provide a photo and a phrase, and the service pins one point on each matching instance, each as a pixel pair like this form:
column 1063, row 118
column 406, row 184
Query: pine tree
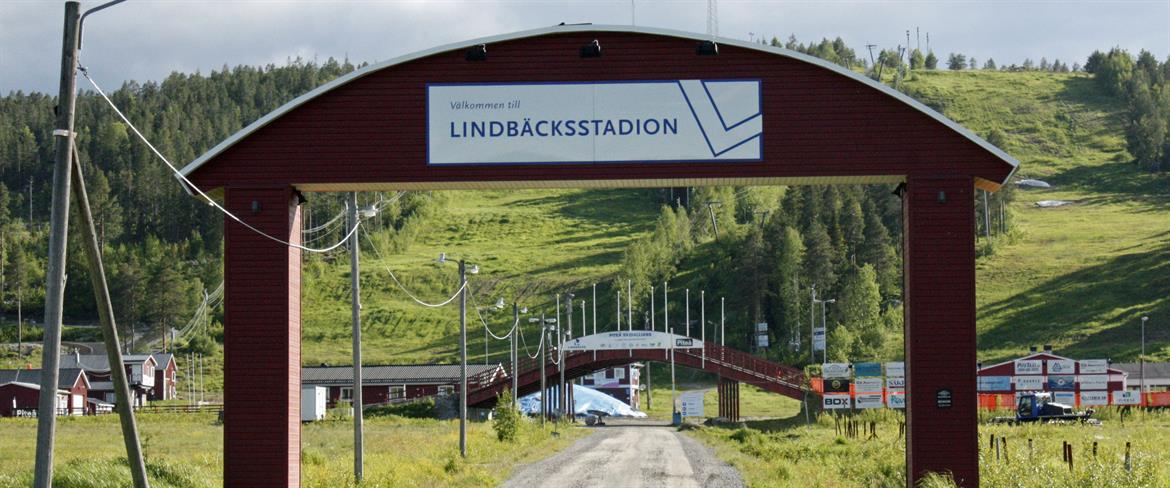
column 956, row 61
column 818, row 258
column 931, row 61
column 989, row 64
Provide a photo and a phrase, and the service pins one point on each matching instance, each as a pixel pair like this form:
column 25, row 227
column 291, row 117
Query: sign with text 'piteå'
column 594, row 122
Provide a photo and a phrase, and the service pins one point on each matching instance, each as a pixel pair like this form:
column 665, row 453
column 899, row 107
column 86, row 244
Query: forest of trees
column 1144, row 84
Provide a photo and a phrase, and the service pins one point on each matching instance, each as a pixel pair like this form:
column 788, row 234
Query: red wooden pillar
column 939, row 264
column 262, row 339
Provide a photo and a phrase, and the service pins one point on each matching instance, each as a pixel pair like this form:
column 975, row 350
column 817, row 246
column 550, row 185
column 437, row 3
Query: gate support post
column 262, row 339
column 942, row 418
column 728, row 391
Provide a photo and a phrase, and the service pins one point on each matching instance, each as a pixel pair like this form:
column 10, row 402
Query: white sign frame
column 835, row 370
column 691, row 403
column 867, row 385
column 1061, row 367
column 837, row 401
column 1029, row 366
column 632, row 339
column 1094, row 398
column 1094, row 366
column 1126, row 397
column 1093, row 381
column 870, row 400
column 896, row 369
column 896, row 400
column 1030, row 382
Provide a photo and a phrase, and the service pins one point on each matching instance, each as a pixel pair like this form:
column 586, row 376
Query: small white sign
column 1065, row 397
column 896, row 400
column 1035, row 383
column 1126, row 397
column 896, row 383
column 1029, row 366
column 691, row 403
column 1061, row 366
column 835, row 370
column 870, row 400
column 762, row 327
column 897, row 369
column 631, row 339
column 1094, row 366
column 762, row 340
column 867, row 385
column 1094, row 398
column 1094, row 381
column 819, row 339
column 837, row 401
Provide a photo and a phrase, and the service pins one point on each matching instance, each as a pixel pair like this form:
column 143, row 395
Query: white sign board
column 1029, row 383
column 870, row 400
column 762, row 327
column 1126, row 397
column 594, row 122
column 867, row 385
column 1061, row 366
column 897, row 369
column 691, row 403
column 896, row 400
column 835, row 370
column 837, row 401
column 762, row 340
column 1094, row 398
column 631, row 339
column 896, row 383
column 819, row 339
column 1094, row 381
column 1030, row 366
column 1094, row 366
column 1065, row 397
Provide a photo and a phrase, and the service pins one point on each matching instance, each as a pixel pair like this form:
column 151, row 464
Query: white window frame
column 401, row 389
column 346, row 394
column 446, row 389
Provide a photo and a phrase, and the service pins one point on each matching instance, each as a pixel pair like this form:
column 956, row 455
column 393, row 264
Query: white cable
column 485, row 325
column 403, row 287
column 539, row 347
column 326, row 224
column 191, row 185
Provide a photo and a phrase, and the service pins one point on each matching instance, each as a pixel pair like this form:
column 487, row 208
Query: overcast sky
column 146, row 40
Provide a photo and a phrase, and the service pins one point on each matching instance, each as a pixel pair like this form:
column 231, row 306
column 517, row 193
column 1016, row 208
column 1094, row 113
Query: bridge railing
column 754, row 365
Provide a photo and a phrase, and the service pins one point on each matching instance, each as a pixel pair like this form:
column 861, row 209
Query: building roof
column 391, row 374
column 1154, row 371
column 66, row 377
column 1045, row 356
column 100, row 363
column 162, row 358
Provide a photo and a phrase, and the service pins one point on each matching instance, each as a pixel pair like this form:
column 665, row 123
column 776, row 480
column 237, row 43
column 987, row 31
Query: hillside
column 1077, row 277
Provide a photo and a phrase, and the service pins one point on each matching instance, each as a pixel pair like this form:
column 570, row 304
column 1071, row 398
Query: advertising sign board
column 867, row 369
column 762, row 327
column 896, row 369
column 835, row 370
column 1061, row 366
column 1093, row 398
column 819, row 339
column 1094, row 381
column 837, row 401
column 896, row 400
column 594, row 122
column 1094, row 366
column 1029, row 382
column 631, row 339
column 995, row 383
column 867, row 385
column 1064, row 382
column 1065, row 397
column 836, row 385
column 762, row 340
column 898, row 383
column 1029, row 366
column 1126, row 397
column 870, row 400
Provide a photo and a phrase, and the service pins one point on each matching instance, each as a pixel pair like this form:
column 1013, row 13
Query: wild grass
column 186, row 450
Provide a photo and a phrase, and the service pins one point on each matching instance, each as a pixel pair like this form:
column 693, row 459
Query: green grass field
column 186, row 450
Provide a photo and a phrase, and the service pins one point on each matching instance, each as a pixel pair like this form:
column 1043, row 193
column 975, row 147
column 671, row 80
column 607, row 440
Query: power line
column 403, row 287
column 189, row 184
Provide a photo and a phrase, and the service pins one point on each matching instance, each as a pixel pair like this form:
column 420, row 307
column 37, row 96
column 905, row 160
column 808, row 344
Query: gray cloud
column 146, row 40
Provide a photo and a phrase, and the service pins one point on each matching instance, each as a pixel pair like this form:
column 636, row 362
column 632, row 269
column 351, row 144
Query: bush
column 421, row 409
column 506, row 419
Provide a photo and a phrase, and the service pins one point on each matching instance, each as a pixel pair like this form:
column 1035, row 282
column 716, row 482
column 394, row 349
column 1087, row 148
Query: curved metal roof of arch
column 224, row 145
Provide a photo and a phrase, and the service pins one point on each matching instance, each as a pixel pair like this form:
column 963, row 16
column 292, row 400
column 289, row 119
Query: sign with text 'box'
column 594, row 122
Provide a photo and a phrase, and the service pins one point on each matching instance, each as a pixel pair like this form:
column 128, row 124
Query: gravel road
column 625, row 454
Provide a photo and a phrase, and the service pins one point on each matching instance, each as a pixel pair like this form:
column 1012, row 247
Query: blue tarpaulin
column 585, row 400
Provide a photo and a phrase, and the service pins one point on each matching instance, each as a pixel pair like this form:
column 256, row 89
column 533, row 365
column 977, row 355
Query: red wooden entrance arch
column 821, row 124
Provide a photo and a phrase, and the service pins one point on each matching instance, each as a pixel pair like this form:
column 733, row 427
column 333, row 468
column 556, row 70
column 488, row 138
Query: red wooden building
column 20, row 389
column 818, row 123
column 140, row 372
column 383, row 384
column 1084, row 383
column 164, row 376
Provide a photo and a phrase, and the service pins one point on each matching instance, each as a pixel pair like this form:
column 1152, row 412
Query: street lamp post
column 1142, row 373
column 462, row 358
column 824, row 324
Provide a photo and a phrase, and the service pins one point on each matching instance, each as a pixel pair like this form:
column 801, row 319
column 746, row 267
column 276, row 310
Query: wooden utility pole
column 101, row 294
column 59, row 230
column 355, row 287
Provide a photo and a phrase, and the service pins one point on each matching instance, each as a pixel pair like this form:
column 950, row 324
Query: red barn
column 1082, row 383
column 164, row 376
column 383, row 384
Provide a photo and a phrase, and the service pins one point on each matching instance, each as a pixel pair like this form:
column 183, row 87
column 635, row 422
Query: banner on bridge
column 632, row 339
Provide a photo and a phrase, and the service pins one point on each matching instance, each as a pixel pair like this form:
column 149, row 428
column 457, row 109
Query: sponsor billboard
column 867, row 369
column 1092, row 398
column 835, row 370
column 837, row 401
column 896, row 383
column 1029, row 366
column 1029, row 382
column 631, row 339
column 1065, row 397
column 896, row 400
column 1126, row 397
column 870, row 400
column 1094, row 381
column 896, row 369
column 1062, row 366
column 1094, row 366
column 819, row 339
column 994, row 383
column 1064, row 382
column 836, row 385
column 867, row 385
column 691, row 403
column 594, row 122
